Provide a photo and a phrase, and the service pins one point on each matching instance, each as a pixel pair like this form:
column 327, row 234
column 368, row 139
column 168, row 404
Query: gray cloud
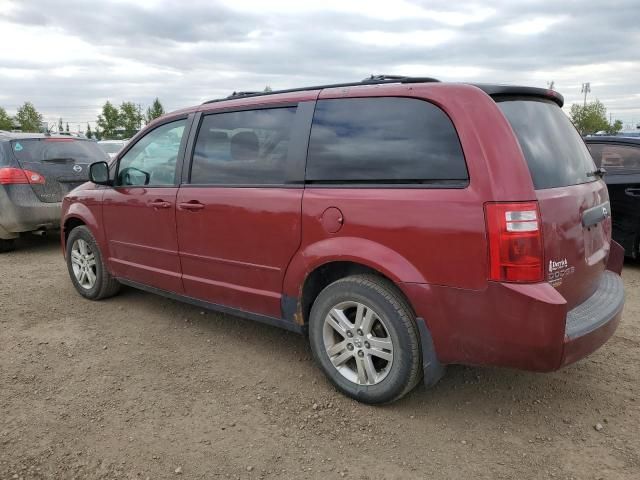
column 187, row 52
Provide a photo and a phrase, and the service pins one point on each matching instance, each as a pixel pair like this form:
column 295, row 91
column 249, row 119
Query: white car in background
column 112, row 147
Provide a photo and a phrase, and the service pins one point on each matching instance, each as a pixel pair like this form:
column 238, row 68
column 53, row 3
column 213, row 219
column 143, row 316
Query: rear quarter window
column 383, row 140
column 554, row 151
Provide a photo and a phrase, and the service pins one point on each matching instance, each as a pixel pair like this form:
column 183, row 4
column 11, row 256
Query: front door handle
column 632, row 192
column 160, row 204
column 191, row 205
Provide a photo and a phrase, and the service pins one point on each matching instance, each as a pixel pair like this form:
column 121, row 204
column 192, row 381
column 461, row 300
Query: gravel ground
column 139, row 387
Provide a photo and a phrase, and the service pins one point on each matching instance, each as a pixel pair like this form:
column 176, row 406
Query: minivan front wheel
column 364, row 337
column 86, row 267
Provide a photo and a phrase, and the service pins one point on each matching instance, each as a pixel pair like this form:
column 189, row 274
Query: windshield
column 555, row 152
column 57, row 149
column 111, row 147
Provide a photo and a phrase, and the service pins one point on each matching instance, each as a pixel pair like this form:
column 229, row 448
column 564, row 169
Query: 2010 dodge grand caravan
column 403, row 223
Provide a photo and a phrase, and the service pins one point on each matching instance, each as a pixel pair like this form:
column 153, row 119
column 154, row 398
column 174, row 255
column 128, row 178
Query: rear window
column 555, row 152
column 111, row 147
column 59, row 150
column 383, row 140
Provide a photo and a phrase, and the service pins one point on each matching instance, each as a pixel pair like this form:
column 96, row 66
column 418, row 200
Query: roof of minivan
column 494, row 90
column 612, row 139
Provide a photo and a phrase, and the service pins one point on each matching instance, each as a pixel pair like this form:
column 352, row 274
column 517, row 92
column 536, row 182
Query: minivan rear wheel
column 86, row 266
column 364, row 337
column 7, row 245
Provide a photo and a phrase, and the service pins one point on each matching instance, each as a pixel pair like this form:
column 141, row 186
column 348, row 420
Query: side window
column 615, row 158
column 243, row 148
column 383, row 140
column 152, row 160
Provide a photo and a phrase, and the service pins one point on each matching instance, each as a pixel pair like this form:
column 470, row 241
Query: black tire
column 399, row 321
column 105, row 285
column 7, row 245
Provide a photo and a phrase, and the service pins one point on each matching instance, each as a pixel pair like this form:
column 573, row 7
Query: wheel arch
column 324, row 262
column 79, row 214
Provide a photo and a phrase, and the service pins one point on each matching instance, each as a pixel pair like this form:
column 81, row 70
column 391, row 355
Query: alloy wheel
column 358, row 343
column 83, row 262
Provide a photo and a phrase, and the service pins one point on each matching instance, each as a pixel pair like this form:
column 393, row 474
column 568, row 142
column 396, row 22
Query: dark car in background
column 36, row 172
column 620, row 157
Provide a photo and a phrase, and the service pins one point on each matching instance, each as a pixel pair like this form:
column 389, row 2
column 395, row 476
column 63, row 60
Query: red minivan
column 402, row 223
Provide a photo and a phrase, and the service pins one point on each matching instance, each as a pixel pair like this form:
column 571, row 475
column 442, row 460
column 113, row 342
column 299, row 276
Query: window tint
column 615, row 158
column 111, row 147
column 152, row 160
column 57, row 149
column 555, row 152
column 383, row 140
column 239, row 148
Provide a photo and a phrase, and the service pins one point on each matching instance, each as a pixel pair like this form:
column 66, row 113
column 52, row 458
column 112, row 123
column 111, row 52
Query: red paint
column 248, row 247
column 142, row 242
column 332, row 220
column 234, row 251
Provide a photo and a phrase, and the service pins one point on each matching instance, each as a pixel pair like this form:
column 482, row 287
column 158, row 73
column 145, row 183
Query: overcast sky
column 68, row 57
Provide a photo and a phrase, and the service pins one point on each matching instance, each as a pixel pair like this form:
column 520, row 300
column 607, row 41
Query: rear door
column 62, row 161
column 574, row 203
column 238, row 212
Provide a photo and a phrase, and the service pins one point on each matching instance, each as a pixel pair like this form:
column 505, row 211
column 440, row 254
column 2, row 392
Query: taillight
column 16, row 176
column 515, row 242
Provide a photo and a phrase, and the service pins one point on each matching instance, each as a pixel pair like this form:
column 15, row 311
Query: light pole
column 586, row 88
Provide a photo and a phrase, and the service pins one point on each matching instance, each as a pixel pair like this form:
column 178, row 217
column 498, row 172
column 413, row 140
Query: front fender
column 88, row 212
column 348, row 249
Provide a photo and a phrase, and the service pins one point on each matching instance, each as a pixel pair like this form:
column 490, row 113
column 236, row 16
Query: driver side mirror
column 99, row 173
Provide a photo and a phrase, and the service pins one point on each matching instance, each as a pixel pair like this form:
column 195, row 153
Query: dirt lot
column 144, row 387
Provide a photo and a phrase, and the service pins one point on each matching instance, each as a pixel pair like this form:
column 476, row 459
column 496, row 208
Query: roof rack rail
column 372, row 80
column 241, row 94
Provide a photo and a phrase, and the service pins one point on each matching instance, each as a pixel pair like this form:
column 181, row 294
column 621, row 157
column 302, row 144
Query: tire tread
column 108, row 285
column 400, row 305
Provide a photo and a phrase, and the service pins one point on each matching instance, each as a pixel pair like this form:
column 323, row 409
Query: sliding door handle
column 192, row 206
column 160, row 204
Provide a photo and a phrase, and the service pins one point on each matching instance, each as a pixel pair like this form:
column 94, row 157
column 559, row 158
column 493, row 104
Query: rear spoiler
column 515, row 91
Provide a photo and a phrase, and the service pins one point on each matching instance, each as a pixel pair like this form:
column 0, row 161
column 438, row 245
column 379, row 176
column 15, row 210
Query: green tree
column 615, row 127
column 267, row 89
column 28, row 118
column 130, row 118
column 6, row 123
column 592, row 118
column 154, row 111
column 108, row 121
column 60, row 129
column 88, row 133
column 67, row 129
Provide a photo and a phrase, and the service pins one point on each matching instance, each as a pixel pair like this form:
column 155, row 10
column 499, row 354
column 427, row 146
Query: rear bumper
column 592, row 323
column 526, row 327
column 23, row 212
